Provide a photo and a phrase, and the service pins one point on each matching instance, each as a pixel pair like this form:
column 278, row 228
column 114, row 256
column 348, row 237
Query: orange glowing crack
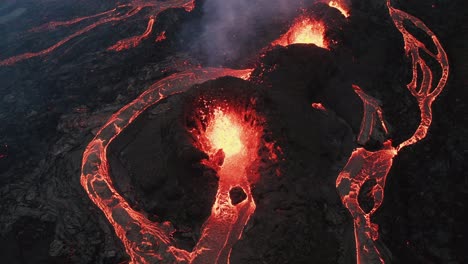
column 304, row 31
column 114, row 15
column 364, row 165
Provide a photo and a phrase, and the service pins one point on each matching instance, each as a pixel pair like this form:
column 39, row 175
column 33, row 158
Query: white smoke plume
column 231, row 26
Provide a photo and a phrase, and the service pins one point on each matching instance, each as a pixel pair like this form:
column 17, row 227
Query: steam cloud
column 231, row 26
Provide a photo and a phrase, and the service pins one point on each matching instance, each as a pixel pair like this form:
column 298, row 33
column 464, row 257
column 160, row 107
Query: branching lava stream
column 364, row 165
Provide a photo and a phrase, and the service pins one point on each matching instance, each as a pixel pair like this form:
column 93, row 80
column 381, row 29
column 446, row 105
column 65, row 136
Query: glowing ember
column 364, row 165
column 319, row 106
column 161, row 37
column 304, row 31
column 340, row 6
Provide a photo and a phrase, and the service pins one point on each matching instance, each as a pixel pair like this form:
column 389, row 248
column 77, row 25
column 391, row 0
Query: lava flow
column 372, row 113
column 367, row 166
column 304, row 31
column 232, row 146
column 132, row 42
column 120, row 13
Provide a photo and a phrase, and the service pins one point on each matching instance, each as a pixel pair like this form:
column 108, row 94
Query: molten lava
column 232, row 146
column 364, row 165
column 224, row 133
column 425, row 92
column 161, row 37
column 318, row 106
column 98, row 183
column 340, row 7
column 133, row 42
column 372, row 114
column 304, row 31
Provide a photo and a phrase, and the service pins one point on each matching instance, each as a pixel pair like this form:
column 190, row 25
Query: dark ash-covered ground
column 51, row 106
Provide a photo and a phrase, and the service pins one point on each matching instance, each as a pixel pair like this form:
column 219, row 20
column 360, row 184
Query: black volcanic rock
column 52, row 106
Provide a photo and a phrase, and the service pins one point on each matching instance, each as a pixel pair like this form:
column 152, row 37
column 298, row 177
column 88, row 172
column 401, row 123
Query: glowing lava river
column 232, row 144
